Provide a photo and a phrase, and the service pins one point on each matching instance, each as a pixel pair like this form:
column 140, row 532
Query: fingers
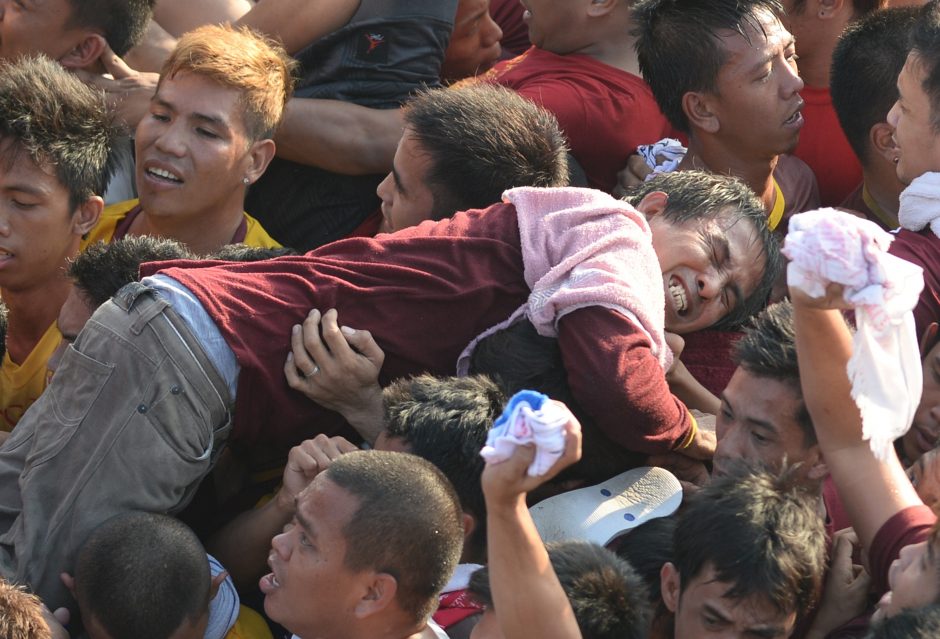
column 363, row 342
column 115, row 65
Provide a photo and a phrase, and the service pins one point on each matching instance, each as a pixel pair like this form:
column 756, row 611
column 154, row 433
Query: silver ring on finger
column 316, row 369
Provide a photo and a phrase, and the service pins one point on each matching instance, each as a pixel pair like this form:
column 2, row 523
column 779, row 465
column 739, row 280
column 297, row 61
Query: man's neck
column 203, row 233
column 617, row 49
column 815, row 64
column 30, row 313
column 757, row 173
column 884, row 188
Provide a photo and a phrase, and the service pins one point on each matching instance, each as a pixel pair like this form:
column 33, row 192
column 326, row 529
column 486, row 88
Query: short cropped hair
column 910, row 623
column 121, row 22
column 142, row 575
column 483, row 140
column 245, row 253
column 608, row 597
column 59, row 122
column 697, row 195
column 102, row 269
column 445, row 420
column 21, row 614
column 925, row 46
column 408, row 524
column 768, row 349
column 679, row 48
column 865, row 68
column 761, row 532
column 239, row 59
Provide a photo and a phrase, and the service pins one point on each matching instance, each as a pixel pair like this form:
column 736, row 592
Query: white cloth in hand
column 529, row 418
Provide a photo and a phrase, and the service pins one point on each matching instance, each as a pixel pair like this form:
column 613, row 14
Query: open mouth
column 680, row 298
column 164, row 175
column 795, row 117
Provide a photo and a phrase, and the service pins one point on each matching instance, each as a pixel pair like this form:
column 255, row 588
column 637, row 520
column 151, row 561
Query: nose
column 281, row 544
column 492, row 33
column 384, row 188
column 792, row 82
column 893, row 115
column 170, row 141
column 709, row 284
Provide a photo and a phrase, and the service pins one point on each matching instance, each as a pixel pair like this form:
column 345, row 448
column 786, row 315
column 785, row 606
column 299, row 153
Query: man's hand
column 305, row 462
column 845, row 595
column 685, row 468
column 705, row 441
column 339, row 370
column 832, row 300
column 128, row 91
column 632, row 175
column 506, row 483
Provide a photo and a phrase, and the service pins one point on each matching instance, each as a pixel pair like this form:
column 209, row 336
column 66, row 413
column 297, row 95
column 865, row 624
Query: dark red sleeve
column 619, row 383
column 909, row 526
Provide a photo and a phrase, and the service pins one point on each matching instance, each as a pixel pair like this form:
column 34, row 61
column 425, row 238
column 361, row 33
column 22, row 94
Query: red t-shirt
column 424, row 293
column 824, row 147
column 909, row 526
column 605, row 112
column 923, row 249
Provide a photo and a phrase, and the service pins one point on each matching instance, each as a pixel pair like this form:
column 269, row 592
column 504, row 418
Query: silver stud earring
column 246, row 181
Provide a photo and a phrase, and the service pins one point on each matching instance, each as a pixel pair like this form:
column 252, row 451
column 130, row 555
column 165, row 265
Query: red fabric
column 369, row 227
column 707, row 356
column 619, row 384
column 855, row 202
column 909, row 526
column 454, row 607
column 508, row 15
column 824, row 147
column 923, row 249
column 424, row 293
column 605, row 112
column 836, row 517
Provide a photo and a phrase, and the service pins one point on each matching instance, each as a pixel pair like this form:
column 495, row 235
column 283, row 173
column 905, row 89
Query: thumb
column 115, row 65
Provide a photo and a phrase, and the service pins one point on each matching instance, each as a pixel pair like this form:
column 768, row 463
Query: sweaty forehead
column 761, row 33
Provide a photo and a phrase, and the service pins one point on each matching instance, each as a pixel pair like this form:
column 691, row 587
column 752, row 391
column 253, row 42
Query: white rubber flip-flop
column 601, row 513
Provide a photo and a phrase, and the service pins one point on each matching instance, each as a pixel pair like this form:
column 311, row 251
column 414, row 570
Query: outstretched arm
column 871, row 490
column 527, row 596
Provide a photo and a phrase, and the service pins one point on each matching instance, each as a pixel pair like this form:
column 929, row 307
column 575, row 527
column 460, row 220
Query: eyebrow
column 756, row 422
column 770, row 56
column 202, row 117
column 305, row 523
column 25, row 188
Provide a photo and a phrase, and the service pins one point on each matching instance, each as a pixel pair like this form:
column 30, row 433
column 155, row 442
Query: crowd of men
column 271, row 270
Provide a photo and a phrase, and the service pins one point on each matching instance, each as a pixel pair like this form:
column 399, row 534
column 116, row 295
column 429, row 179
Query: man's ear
column 215, row 582
column 816, row 464
column 469, row 525
column 653, row 204
column 260, row 155
column 379, row 594
column 698, row 109
column 882, row 141
column 85, row 53
column 600, row 8
column 670, row 586
column 86, row 215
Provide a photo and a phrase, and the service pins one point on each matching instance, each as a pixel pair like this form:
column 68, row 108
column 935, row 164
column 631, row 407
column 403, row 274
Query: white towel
column 828, row 246
column 529, row 418
column 920, row 204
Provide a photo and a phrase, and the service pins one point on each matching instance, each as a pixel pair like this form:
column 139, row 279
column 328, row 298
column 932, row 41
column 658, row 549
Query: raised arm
column 872, row 491
column 527, row 596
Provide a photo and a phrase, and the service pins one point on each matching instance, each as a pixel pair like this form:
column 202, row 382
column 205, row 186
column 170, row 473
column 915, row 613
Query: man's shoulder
column 797, row 183
column 539, row 67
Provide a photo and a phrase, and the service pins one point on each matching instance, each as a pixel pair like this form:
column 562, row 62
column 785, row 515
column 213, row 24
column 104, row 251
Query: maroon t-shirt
column 923, row 249
column 424, row 293
column 909, row 526
column 604, row 112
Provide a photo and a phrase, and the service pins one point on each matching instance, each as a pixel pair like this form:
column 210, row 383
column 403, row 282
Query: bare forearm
column 243, row 544
column 527, row 595
column 339, row 136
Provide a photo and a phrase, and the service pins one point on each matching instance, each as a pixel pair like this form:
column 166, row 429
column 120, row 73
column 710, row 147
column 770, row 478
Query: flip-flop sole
column 602, row 512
